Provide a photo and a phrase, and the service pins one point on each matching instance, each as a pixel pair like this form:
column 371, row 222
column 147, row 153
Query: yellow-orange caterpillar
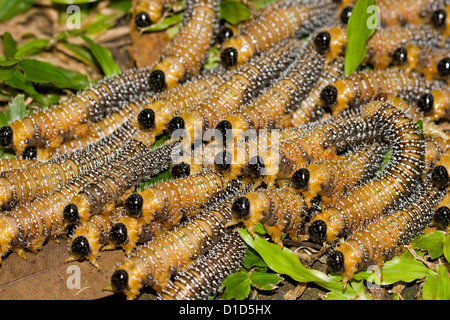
column 148, row 12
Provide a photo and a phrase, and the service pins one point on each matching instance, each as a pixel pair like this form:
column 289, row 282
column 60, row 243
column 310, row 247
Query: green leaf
column 237, row 286
column 234, row 11
column 16, row 110
column 11, row 8
column 265, row 280
column 103, row 57
column 446, row 248
column 213, row 58
column 80, row 52
column 73, row 1
column 432, row 242
column 163, row 176
column 419, row 124
column 44, row 72
column 9, row 45
column 253, row 259
column 165, row 23
column 18, row 81
column 31, row 48
column 360, row 27
column 437, row 287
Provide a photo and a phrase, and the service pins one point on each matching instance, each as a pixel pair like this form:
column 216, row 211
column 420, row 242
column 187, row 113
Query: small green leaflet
column 9, row 45
column 437, row 287
column 432, row 242
column 233, row 11
column 103, row 57
column 361, row 25
column 11, row 8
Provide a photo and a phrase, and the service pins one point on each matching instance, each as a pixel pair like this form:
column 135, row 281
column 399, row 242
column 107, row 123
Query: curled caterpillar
column 50, row 127
column 244, row 84
column 31, row 225
column 371, row 200
column 363, row 86
column 27, row 184
column 90, row 237
column 183, row 57
column 148, row 12
column 435, row 104
column 278, row 210
column 331, row 178
column 431, row 62
column 205, row 276
column 280, row 98
column 115, row 185
column 153, row 263
column 309, row 109
column 379, row 240
column 283, row 20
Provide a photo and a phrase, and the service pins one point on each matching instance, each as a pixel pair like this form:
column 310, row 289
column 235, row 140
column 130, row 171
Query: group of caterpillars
column 277, row 135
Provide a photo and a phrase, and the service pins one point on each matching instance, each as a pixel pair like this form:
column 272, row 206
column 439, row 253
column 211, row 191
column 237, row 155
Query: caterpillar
column 309, row 109
column 90, row 237
column 155, row 115
column 371, row 200
column 113, row 187
column 29, row 183
column 50, row 127
column 244, row 84
column 8, row 164
column 441, row 218
column 364, row 86
column 148, row 12
column 439, row 18
column 183, row 57
column 435, row 104
column 283, row 20
column 153, row 263
column 382, row 44
column 132, row 229
column 279, row 211
column 330, row 179
column 440, row 172
column 31, row 225
column 379, row 240
column 291, row 88
column 205, row 276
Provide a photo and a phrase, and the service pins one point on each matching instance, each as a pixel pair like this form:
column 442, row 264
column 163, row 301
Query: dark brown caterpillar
column 31, row 225
column 331, row 178
column 155, row 115
column 185, row 54
column 72, row 117
column 309, row 109
column 379, row 241
column 244, row 84
column 27, row 184
column 363, row 86
column 205, row 276
column 436, row 104
column 148, row 12
column 89, row 238
column 382, row 44
column 153, row 263
column 279, row 211
column 282, row 20
column 115, row 185
column 431, row 62
column 373, row 199
column 280, row 98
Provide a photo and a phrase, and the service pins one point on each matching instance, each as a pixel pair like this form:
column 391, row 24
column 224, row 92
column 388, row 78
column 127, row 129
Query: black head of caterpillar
column 438, row 18
column 80, row 247
column 142, row 20
column 440, row 176
column 345, row 14
column 442, row 217
column 146, row 118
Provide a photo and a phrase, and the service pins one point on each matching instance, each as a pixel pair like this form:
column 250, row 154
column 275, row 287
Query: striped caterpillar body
column 436, row 104
column 31, row 225
column 8, row 164
column 283, row 20
column 71, row 117
column 331, row 178
column 380, row 240
column 185, row 54
column 287, row 92
column 431, row 62
column 148, row 12
column 371, row 200
column 382, row 44
column 441, row 218
column 309, row 109
column 27, row 184
column 113, row 187
column 205, row 276
column 156, row 115
column 91, row 236
column 243, row 85
column 279, row 211
column 153, row 263
column 363, row 86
